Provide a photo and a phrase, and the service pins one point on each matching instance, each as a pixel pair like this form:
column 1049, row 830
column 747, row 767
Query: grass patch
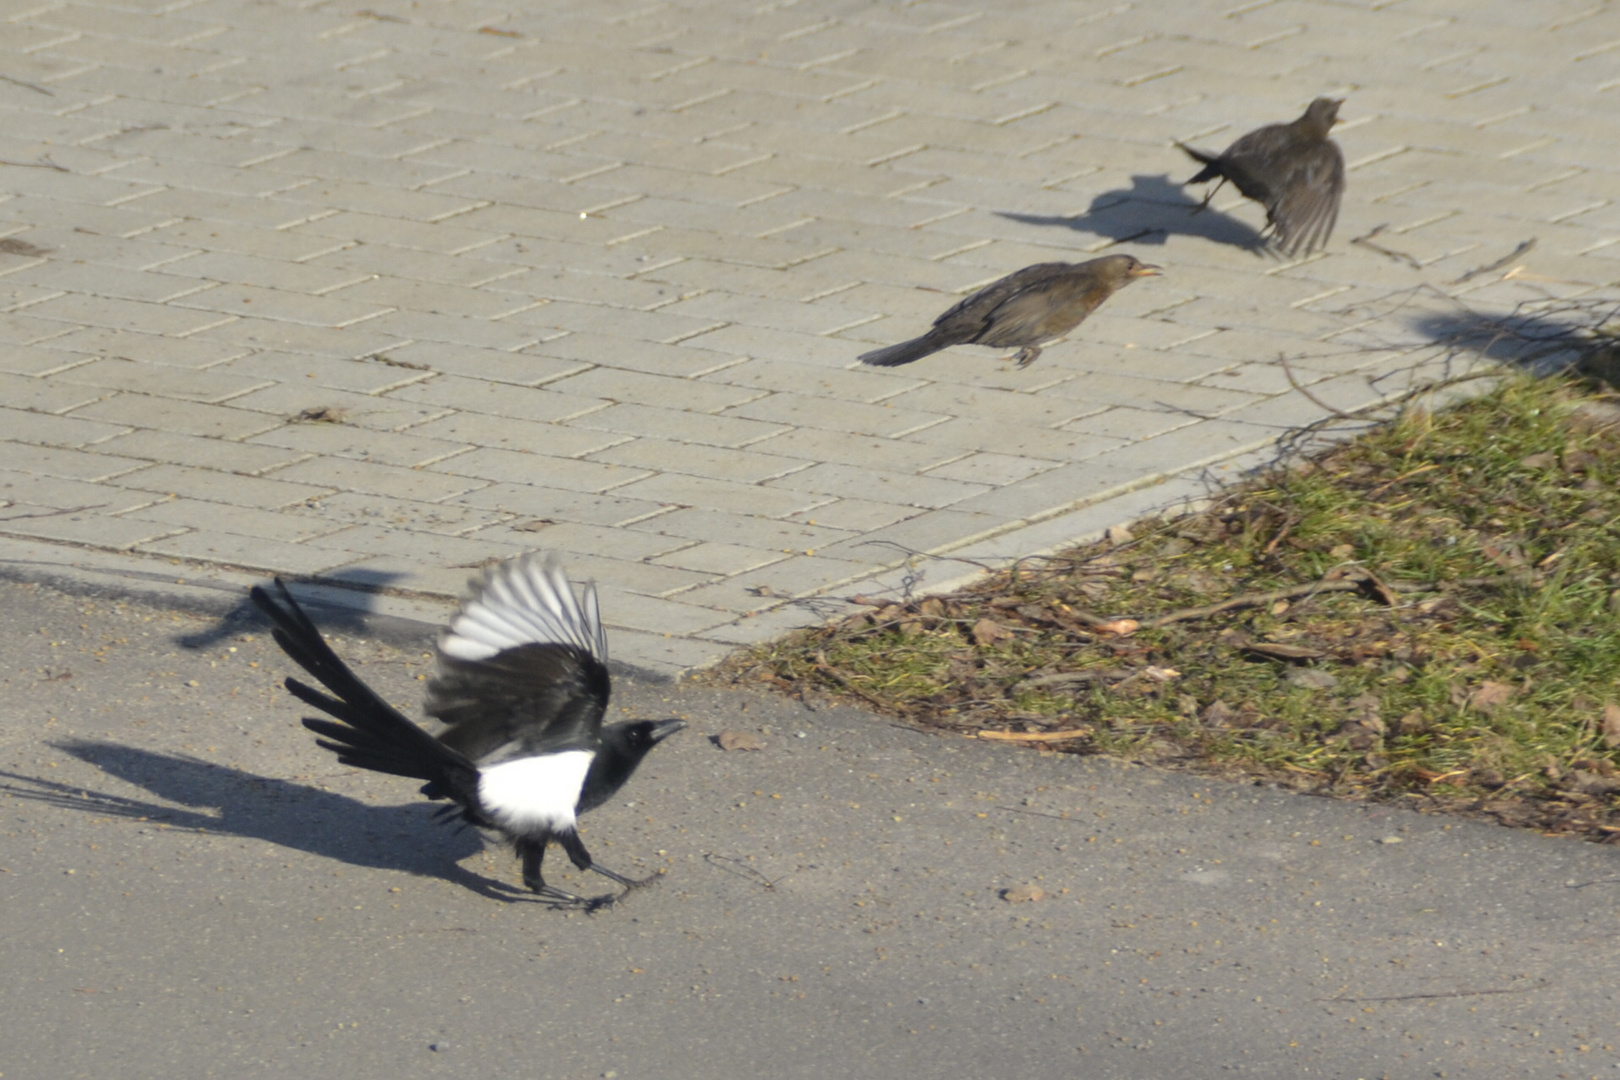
column 1430, row 613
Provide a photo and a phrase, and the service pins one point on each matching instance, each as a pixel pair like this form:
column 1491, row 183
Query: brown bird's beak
column 1144, row 270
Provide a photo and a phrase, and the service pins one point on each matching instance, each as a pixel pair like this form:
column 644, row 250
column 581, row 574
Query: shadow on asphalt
column 1147, row 212
column 219, row 799
column 360, row 586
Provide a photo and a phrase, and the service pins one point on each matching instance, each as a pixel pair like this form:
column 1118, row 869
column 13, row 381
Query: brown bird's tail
column 907, row 351
column 1210, row 162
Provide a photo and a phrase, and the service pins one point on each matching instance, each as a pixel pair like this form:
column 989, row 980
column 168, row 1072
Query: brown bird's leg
column 1027, row 355
column 1201, row 207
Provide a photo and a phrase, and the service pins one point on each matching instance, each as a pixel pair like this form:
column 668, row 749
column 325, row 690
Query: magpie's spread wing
column 522, row 667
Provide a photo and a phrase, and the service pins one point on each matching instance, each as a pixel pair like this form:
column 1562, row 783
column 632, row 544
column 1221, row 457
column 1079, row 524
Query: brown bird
column 1294, row 170
column 1027, row 309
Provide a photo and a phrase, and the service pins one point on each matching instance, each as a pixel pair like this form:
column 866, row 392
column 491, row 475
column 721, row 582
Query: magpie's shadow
column 1147, row 212
column 404, row 838
column 359, row 587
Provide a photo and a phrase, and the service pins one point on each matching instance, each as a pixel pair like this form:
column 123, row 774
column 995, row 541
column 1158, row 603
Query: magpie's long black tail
column 371, row 733
column 907, row 351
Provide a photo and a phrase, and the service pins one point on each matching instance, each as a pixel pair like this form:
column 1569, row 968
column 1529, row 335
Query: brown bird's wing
column 1252, row 162
column 1309, row 189
column 969, row 320
column 1062, row 302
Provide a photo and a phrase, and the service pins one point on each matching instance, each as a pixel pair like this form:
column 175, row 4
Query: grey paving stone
column 201, row 516
column 286, row 401
column 535, row 502
column 717, row 558
column 744, row 466
column 514, row 466
column 87, row 528
column 675, row 424
column 208, row 386
column 341, row 440
column 374, row 479
column 848, row 481
column 224, row 488
column 253, row 552
column 789, row 536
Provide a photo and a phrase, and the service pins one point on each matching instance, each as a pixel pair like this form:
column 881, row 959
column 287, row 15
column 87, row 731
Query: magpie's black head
column 638, row 737
column 623, row 747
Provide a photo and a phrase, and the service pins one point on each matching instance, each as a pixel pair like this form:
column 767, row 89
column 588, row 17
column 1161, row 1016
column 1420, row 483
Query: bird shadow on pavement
column 1539, row 338
column 1147, row 212
column 357, row 587
column 226, row 801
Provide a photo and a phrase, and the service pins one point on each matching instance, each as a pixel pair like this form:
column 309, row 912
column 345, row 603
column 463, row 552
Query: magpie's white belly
column 535, row 794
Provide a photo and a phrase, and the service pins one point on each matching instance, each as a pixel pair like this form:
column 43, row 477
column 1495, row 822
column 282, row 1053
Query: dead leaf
column 1509, row 555
column 1379, row 591
column 1160, row 674
column 1035, row 736
column 988, row 632
column 1579, row 461
column 1122, row 627
column 1489, row 696
column 1593, row 783
column 1119, row 534
column 533, row 526
column 1023, row 894
column 739, row 740
column 1594, row 416
column 1277, row 651
column 1543, row 460
column 323, row 414
column 1611, row 726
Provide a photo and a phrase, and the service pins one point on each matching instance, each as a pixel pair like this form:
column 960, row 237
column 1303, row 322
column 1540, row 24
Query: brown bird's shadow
column 1147, row 212
column 225, row 801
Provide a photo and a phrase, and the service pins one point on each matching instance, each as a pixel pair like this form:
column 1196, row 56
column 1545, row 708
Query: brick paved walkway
column 376, row 294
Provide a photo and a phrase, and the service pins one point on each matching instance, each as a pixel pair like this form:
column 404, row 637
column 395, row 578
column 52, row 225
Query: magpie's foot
column 630, row 884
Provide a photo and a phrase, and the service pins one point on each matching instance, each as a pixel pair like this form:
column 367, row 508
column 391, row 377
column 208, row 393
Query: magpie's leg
column 576, row 851
column 533, row 853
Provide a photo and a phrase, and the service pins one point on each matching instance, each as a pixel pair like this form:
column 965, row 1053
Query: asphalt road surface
column 189, row 887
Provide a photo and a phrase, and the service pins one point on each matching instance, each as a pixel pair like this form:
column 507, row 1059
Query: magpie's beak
column 663, row 729
column 1144, row 270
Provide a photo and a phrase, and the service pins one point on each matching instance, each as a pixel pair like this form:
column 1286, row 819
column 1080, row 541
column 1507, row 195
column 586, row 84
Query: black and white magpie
column 522, row 686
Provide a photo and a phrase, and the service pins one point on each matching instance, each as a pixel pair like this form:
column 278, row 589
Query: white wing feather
column 524, row 601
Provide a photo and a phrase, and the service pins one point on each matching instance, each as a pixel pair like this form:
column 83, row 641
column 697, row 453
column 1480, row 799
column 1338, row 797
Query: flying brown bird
column 1026, row 310
column 1294, row 170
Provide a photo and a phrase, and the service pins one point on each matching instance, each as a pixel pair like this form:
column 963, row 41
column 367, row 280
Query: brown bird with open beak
column 1026, row 310
column 1294, row 170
